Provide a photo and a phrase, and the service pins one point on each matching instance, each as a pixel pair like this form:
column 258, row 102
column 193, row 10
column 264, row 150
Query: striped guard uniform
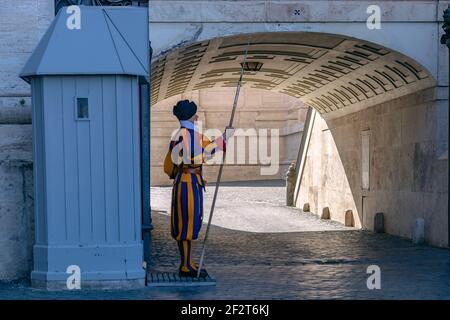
column 193, row 149
column 188, row 150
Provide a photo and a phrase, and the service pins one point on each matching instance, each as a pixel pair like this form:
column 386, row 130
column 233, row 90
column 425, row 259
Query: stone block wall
column 16, row 202
column 257, row 109
column 22, row 23
column 408, row 171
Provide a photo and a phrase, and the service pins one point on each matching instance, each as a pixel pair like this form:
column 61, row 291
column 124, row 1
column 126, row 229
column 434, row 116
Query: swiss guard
column 188, row 150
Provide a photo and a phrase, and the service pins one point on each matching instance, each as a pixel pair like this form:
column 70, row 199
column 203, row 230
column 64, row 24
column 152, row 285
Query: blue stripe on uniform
column 175, row 230
column 184, row 209
column 196, row 190
column 201, row 203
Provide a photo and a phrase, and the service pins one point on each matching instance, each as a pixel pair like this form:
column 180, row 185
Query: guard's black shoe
column 193, row 274
column 203, row 273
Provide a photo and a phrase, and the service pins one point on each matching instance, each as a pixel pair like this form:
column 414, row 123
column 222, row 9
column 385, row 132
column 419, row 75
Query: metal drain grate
column 172, row 279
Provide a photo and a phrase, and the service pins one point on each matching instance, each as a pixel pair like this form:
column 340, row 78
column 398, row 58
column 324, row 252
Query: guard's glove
column 229, row 132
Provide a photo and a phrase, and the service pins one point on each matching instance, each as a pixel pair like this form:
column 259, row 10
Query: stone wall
column 22, row 23
column 175, row 23
column 16, row 202
column 408, row 172
column 257, row 109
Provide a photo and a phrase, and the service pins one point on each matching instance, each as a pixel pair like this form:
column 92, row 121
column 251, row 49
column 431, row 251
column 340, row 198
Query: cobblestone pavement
column 255, row 206
column 327, row 264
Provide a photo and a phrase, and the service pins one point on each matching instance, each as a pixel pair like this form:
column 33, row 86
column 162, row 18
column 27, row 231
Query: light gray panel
column 136, row 40
column 136, row 158
column 97, row 159
column 110, row 158
column 84, row 167
column 71, row 160
column 39, row 163
column 127, row 57
column 54, row 159
column 32, row 65
column 125, row 156
column 95, row 48
column 42, row 159
column 97, row 262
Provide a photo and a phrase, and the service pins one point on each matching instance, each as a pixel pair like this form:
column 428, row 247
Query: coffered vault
column 334, row 74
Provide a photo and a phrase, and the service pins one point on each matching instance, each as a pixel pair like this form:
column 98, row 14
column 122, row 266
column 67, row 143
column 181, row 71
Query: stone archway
column 334, row 74
column 355, row 86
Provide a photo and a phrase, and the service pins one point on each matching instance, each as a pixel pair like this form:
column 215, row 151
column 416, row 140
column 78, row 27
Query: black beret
column 184, row 109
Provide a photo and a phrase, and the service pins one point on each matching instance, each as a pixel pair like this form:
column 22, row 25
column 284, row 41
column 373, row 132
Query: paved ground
column 251, row 206
column 291, row 264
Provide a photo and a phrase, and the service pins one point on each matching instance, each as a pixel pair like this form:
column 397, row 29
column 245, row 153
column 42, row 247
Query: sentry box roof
column 111, row 40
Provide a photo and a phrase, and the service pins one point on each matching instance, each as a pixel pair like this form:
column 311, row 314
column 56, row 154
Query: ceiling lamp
column 251, row 65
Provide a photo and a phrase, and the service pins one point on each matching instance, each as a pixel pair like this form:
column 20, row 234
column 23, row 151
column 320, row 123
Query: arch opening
column 358, row 89
column 334, row 74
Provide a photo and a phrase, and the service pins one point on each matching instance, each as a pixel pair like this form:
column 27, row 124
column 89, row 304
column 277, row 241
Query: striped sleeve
column 211, row 147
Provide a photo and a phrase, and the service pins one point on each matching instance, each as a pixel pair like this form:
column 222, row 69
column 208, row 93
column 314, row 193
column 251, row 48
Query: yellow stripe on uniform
column 179, row 211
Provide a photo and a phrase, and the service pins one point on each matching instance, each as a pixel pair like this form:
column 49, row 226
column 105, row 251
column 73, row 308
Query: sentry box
column 87, row 79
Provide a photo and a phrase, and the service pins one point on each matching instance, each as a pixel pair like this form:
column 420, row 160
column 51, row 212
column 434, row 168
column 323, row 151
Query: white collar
column 188, row 124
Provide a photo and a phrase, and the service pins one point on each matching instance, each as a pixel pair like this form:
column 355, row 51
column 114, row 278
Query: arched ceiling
column 334, row 74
